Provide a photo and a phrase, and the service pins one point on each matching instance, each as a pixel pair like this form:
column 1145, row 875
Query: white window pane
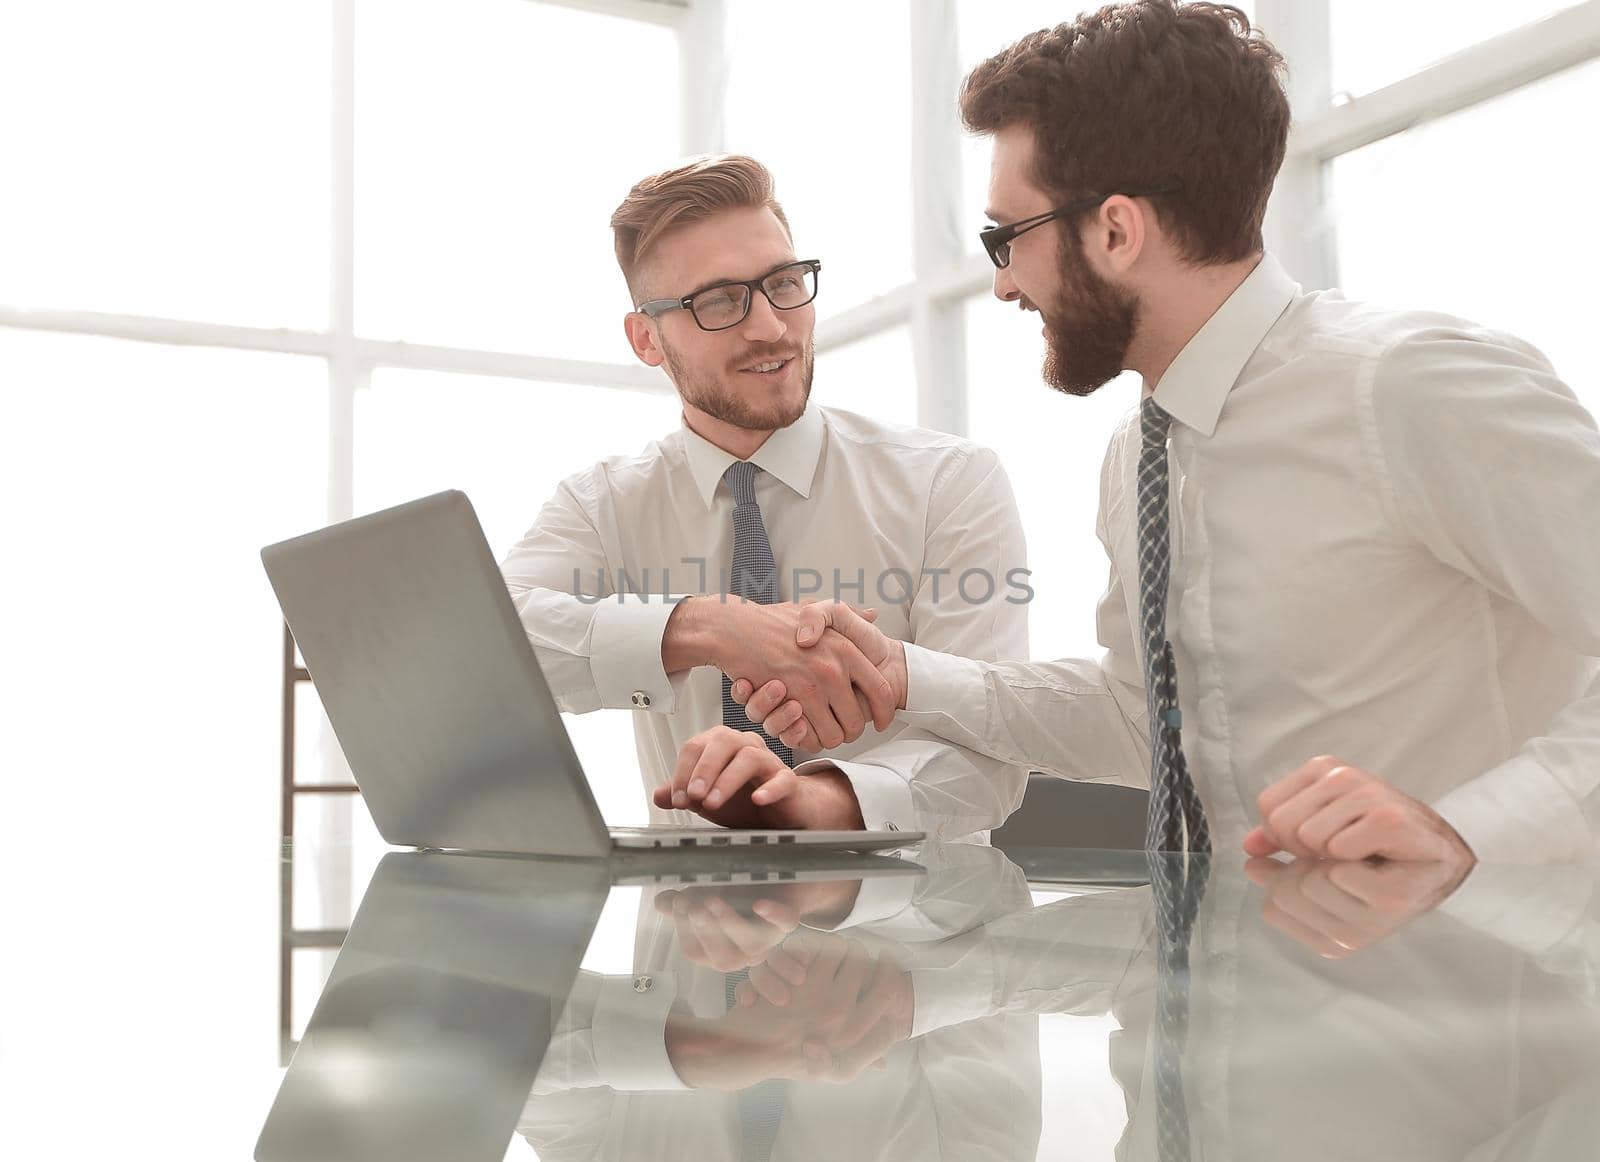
column 507, row 444
column 874, row 376
column 167, row 158
column 1423, row 222
column 494, row 140
column 1374, row 43
column 142, row 706
column 1052, row 446
column 821, row 93
column 985, row 29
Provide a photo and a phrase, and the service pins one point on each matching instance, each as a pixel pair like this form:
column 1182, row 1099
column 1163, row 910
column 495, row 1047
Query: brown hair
column 688, row 193
column 1143, row 95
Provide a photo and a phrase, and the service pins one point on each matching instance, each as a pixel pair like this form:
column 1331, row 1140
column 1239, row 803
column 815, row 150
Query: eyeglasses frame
column 994, row 237
column 655, row 308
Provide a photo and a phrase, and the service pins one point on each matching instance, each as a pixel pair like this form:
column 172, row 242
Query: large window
column 1373, row 43
column 493, row 140
column 166, row 159
column 814, row 106
column 1450, row 217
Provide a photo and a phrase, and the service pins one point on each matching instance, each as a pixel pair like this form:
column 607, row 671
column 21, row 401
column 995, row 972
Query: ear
column 642, row 337
column 1118, row 233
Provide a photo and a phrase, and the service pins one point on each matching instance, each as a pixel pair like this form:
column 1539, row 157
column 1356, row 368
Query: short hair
column 1147, row 94
column 683, row 195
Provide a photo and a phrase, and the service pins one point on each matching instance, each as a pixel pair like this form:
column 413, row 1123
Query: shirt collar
column 790, row 454
column 1197, row 383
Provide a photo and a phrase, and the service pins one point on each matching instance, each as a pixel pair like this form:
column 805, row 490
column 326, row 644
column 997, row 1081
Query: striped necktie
column 760, row 1105
column 755, row 578
column 1177, row 884
column 1174, row 806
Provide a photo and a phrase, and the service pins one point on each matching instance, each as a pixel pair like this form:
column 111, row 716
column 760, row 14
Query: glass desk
column 952, row 1003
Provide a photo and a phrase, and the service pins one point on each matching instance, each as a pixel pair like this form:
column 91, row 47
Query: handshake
column 813, row 675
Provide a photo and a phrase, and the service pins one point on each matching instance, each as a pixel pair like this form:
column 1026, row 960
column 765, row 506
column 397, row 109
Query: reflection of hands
column 732, row 778
column 838, row 689
column 1337, row 909
column 1330, row 810
column 736, row 926
column 843, row 1009
column 788, row 718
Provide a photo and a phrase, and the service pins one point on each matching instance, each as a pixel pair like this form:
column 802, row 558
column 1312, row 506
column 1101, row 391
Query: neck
column 742, row 443
column 1173, row 311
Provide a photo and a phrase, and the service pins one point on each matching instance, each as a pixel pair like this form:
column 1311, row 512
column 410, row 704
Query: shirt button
column 641, row 699
column 643, row 984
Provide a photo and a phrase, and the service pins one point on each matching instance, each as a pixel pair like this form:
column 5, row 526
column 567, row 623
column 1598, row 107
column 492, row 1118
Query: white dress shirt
column 1385, row 547
column 965, row 1089
column 1427, row 1044
column 920, row 524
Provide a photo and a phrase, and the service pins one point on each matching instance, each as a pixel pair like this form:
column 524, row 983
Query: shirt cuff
column 878, row 898
column 1518, row 812
column 883, row 795
column 938, row 683
column 944, row 998
column 625, row 654
column 630, row 1032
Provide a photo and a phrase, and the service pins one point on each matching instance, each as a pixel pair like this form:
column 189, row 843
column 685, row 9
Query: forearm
column 1071, row 718
column 697, row 632
column 599, row 653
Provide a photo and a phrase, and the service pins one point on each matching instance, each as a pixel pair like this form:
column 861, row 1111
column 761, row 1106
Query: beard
column 716, row 396
column 1088, row 328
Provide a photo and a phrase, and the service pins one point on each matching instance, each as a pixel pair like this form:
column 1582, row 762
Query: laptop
column 437, row 699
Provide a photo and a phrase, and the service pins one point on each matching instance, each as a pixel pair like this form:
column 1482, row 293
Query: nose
column 1004, row 288
column 763, row 324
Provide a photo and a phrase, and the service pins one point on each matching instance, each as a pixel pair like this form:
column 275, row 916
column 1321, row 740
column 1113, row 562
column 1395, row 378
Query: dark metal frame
column 290, row 937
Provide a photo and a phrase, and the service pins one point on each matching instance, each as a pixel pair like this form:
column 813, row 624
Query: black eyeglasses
column 997, row 239
column 716, row 308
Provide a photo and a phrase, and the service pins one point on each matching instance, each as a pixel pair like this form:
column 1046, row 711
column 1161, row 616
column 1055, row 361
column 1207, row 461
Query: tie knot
column 1154, row 422
column 741, row 478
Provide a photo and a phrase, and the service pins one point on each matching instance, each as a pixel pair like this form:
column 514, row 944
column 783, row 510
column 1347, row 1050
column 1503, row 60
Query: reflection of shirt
column 1470, row 1032
column 919, row 524
column 1384, row 547
column 968, row 1089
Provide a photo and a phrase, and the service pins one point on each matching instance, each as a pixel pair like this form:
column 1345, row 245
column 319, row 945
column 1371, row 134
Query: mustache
column 764, row 355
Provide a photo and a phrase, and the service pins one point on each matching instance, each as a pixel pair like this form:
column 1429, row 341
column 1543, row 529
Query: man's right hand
column 823, row 674
column 787, row 717
column 843, row 1009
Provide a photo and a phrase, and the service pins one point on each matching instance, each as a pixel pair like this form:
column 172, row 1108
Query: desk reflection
column 1334, row 1013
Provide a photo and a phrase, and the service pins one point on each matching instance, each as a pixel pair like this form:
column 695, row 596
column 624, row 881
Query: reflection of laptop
column 441, row 708
column 439, row 1011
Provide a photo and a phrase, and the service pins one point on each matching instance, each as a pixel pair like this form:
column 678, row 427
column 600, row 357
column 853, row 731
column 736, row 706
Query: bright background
column 264, row 266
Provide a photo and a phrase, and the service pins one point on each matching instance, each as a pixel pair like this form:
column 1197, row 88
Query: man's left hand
column 1337, row 909
column 732, row 778
column 1330, row 810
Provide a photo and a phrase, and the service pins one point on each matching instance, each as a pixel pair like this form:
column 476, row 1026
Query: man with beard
column 645, row 575
column 1354, row 606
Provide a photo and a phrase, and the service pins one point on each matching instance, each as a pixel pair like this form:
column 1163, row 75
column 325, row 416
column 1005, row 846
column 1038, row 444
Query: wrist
column 691, row 637
column 899, row 677
column 837, row 808
column 825, row 904
column 688, row 1048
